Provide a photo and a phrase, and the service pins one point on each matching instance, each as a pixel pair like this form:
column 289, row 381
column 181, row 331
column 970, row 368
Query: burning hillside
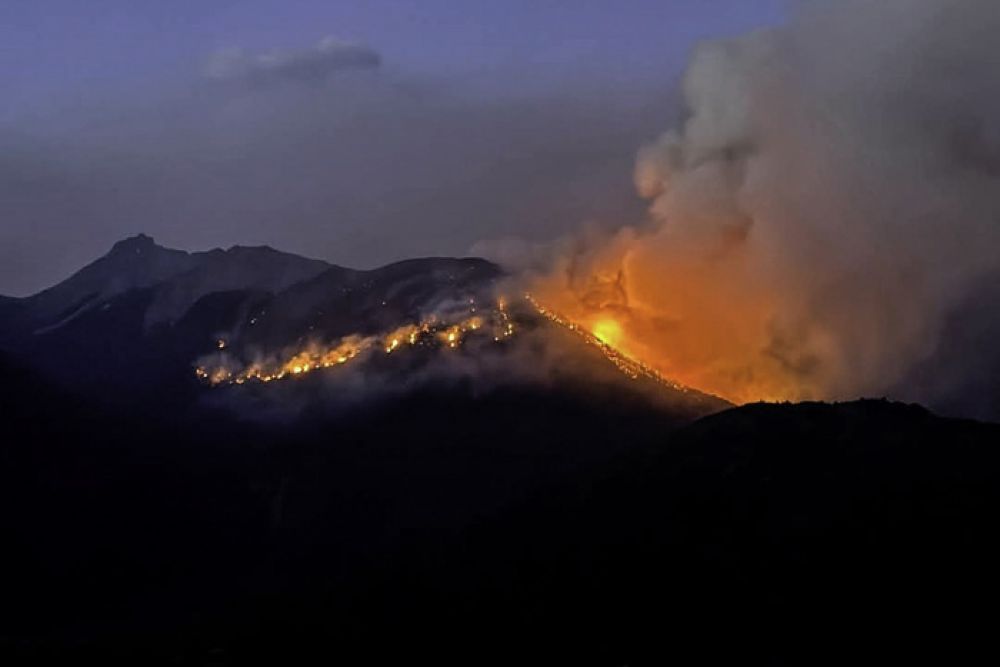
column 495, row 324
column 367, row 334
column 433, row 332
column 604, row 335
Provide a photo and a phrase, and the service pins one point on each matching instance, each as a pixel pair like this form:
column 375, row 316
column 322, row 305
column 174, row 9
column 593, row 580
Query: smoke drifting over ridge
column 831, row 194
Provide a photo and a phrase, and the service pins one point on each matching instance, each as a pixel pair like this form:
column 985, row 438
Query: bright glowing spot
column 608, row 332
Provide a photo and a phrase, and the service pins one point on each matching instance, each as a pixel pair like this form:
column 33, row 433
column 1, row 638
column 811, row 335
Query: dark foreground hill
column 511, row 526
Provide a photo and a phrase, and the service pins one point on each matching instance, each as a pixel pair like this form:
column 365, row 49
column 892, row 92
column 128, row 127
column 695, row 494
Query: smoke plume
column 831, row 193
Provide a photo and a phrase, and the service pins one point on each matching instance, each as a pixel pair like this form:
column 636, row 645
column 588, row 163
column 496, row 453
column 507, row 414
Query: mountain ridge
column 140, row 321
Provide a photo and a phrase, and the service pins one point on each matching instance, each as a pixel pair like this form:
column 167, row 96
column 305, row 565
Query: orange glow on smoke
column 496, row 324
column 608, row 331
column 709, row 325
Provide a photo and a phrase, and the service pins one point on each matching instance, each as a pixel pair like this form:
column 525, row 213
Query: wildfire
column 608, row 332
column 317, row 357
column 604, row 333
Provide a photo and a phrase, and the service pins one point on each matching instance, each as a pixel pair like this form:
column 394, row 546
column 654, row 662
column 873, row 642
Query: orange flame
column 315, row 357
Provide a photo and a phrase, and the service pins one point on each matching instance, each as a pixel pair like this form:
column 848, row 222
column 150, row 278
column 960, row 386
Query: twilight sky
column 219, row 123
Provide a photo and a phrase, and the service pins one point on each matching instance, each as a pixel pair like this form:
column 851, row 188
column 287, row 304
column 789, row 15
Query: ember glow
column 628, row 365
column 434, row 331
column 698, row 332
column 608, row 331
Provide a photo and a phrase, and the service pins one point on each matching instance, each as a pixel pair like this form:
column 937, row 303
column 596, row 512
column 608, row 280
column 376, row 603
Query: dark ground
column 512, row 527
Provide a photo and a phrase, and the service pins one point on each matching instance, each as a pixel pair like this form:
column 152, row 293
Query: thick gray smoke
column 832, row 194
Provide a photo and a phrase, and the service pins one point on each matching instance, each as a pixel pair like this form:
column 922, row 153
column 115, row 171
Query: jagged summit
column 177, row 278
column 135, row 244
column 141, row 243
column 252, row 268
column 132, row 263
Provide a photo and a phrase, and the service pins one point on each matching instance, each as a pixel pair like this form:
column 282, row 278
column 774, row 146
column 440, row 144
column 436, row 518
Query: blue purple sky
column 109, row 127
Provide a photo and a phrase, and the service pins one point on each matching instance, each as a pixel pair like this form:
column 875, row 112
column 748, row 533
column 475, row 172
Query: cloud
column 310, row 65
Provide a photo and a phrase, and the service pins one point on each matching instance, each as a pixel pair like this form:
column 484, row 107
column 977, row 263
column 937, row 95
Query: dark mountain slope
column 176, row 279
column 102, row 511
column 515, row 524
column 768, row 534
column 132, row 263
column 10, row 307
column 165, row 536
column 259, row 269
column 341, row 302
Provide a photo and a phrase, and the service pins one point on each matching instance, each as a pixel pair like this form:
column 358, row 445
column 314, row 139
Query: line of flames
column 317, row 357
column 430, row 331
column 631, row 367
